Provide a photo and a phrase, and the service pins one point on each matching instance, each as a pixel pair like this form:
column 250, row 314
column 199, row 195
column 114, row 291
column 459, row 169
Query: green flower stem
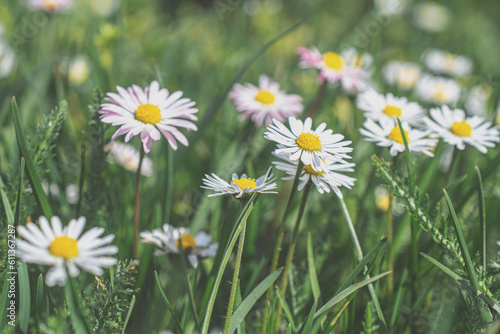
column 320, row 95
column 234, row 283
column 279, row 241
column 291, row 250
column 390, row 232
column 359, row 255
column 137, row 205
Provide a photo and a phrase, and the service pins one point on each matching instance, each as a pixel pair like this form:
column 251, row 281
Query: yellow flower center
column 395, row 135
column 50, row 5
column 358, row 63
column 333, row 61
column 265, row 97
column 408, row 77
column 245, row 183
column 64, row 246
column 392, row 111
column 462, row 129
column 309, row 142
column 310, row 170
column 148, row 113
column 187, row 241
column 449, row 62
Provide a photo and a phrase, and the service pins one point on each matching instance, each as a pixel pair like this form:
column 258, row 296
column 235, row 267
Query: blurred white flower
column 50, row 5
column 382, row 198
column 104, row 7
column 72, row 193
column 431, row 16
column 438, row 90
column 403, row 75
column 7, row 59
column 128, row 157
column 390, row 7
column 476, row 101
column 50, row 188
column 357, row 59
column 443, row 62
column 78, row 71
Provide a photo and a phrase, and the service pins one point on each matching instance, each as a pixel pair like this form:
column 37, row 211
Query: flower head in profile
column 128, row 157
column 403, row 75
column 438, row 90
column 333, row 68
column 330, row 177
column 312, row 147
column 267, row 101
column 386, row 133
column 456, row 129
column 50, row 5
column 240, row 187
column 149, row 112
column 378, row 106
column 442, row 62
column 167, row 240
column 65, row 249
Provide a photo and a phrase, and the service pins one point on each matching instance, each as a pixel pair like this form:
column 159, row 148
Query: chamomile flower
column 150, row 112
column 438, row 90
column 50, row 5
column 241, row 187
column 310, row 146
column 378, row 106
column 386, row 133
column 403, row 75
column 333, row 68
column 167, row 240
column 267, row 101
column 128, row 157
column 442, row 62
column 330, row 177
column 431, row 16
column 65, row 249
column 456, row 129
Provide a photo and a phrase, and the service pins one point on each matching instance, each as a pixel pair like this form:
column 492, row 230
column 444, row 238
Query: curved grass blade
column 170, row 308
column 482, row 216
column 313, row 277
column 336, row 318
column 132, row 303
column 247, row 304
column 306, row 329
column 286, row 308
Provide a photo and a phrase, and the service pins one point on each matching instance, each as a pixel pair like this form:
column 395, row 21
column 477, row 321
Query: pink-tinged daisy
column 240, row 187
column 167, row 240
column 333, row 68
column 65, row 249
column 456, row 129
column 386, row 133
column 149, row 112
column 50, row 5
column 310, row 146
column 378, row 106
column 330, row 177
column 265, row 102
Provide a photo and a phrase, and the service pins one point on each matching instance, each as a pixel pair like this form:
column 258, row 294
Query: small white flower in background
column 65, row 249
column 357, row 59
column 456, row 129
column 443, row 62
column 386, row 133
column 78, row 71
column 50, row 5
column 128, row 157
column 7, row 59
column 438, row 90
column 241, row 187
column 333, row 68
column 149, row 112
column 72, row 193
column 104, row 7
column 167, row 240
column 476, row 102
column 390, row 7
column 310, row 146
column 328, row 178
column 267, row 101
column 378, row 106
column 404, row 75
column 382, row 198
column 431, row 16
column 50, row 188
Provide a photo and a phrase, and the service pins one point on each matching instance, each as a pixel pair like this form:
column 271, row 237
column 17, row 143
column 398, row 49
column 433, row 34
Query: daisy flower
column 357, row 59
column 378, row 106
column 128, row 157
column 438, row 90
column 310, row 146
column 150, row 112
column 167, row 240
column 265, row 102
column 332, row 68
column 456, row 129
column 78, row 71
column 431, row 16
column 477, row 100
column 387, row 134
column 330, row 177
column 447, row 63
column 404, row 75
column 241, row 187
column 65, row 249
column 50, row 5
